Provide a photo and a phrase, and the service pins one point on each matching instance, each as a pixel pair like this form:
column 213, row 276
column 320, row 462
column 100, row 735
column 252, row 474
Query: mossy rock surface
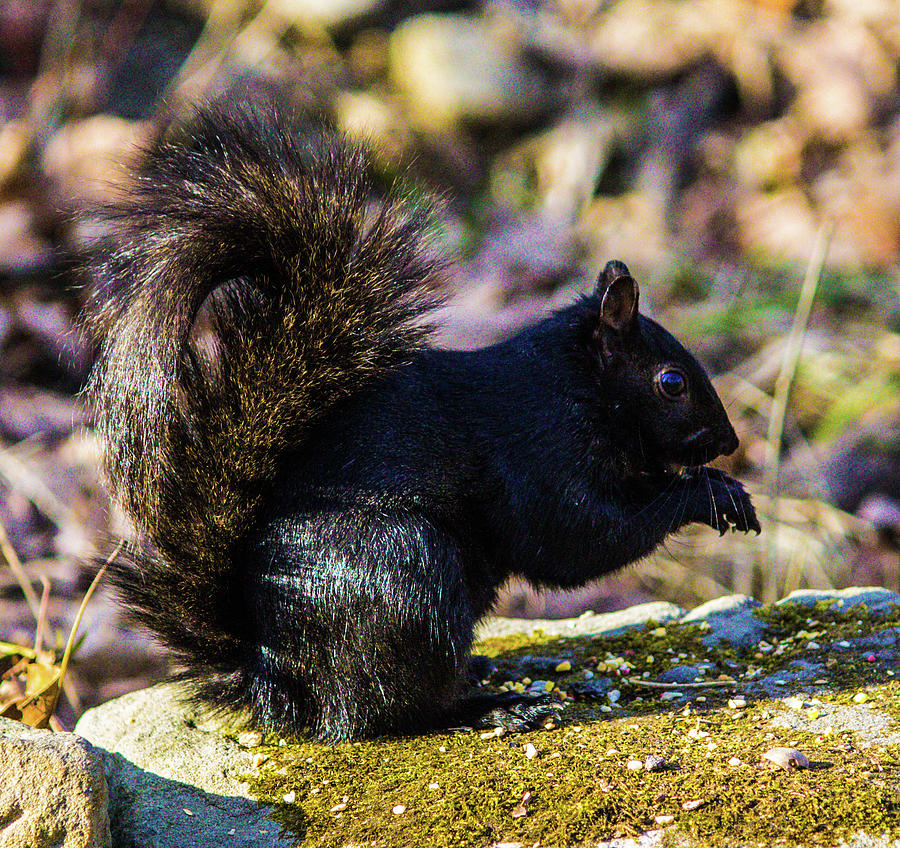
column 822, row 679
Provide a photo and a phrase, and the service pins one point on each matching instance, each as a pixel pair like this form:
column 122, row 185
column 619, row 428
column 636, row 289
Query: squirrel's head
column 664, row 407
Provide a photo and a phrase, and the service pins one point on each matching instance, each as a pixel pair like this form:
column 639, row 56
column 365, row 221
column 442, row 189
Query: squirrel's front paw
column 728, row 505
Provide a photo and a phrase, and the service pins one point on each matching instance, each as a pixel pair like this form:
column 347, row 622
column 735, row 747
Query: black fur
column 335, row 505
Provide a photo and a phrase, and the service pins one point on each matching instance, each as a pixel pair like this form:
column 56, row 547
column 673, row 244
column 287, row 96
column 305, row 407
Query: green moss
column 462, row 789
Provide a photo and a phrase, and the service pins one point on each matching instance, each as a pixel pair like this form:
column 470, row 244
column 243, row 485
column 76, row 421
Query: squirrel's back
column 311, row 289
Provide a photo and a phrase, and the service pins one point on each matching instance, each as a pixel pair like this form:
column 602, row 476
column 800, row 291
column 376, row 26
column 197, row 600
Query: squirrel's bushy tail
column 305, row 291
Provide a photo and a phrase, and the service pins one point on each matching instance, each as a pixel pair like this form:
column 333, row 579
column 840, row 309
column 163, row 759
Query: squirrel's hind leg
column 361, row 626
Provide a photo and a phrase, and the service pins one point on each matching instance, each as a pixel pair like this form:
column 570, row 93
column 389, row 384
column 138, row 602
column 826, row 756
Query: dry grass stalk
column 774, row 573
column 15, row 566
column 64, row 663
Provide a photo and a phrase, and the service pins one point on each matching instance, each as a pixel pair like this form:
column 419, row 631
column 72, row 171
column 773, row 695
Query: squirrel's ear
column 619, row 297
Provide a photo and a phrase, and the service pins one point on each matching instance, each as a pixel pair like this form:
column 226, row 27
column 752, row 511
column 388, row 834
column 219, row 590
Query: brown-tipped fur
column 310, row 295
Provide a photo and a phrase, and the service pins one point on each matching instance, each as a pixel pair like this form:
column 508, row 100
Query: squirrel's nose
column 728, row 444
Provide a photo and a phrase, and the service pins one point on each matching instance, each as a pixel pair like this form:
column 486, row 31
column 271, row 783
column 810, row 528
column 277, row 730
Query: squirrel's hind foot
column 508, row 710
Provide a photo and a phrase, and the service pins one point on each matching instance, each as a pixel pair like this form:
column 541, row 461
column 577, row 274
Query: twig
column 652, row 684
column 19, row 650
column 42, row 617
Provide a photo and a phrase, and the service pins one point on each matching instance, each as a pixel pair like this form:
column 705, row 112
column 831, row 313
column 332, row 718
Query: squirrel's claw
column 730, row 507
column 520, row 712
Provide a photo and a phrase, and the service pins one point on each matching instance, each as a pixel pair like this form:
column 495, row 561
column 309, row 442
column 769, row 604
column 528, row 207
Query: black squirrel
column 332, row 503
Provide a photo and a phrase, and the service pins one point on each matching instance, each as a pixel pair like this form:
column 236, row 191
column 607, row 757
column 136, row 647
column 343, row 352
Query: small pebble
column 530, row 751
column 521, row 810
column 787, row 758
column 735, row 761
column 693, row 805
column 565, row 665
column 737, row 703
column 860, row 698
column 634, row 765
column 289, row 797
column 697, row 733
column 613, row 695
column 399, row 810
column 338, row 807
column 654, row 763
column 250, row 739
column 492, row 734
column 664, row 819
column 670, row 696
column 434, row 785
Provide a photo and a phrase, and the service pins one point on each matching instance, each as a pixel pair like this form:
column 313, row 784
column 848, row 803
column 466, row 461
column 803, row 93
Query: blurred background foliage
column 726, row 150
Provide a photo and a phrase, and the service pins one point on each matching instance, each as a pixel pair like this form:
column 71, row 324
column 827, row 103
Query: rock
column 876, row 600
column 177, row 779
column 374, row 122
column 561, row 165
column 633, row 224
column 655, row 762
column 20, row 245
column 174, row 779
column 777, row 225
column 869, row 725
column 84, row 158
column 770, row 154
column 841, row 70
column 596, row 688
column 787, row 758
column 680, row 34
column 590, row 623
column 330, row 14
column 731, row 620
column 796, row 673
column 52, row 790
column 685, row 673
column 453, row 68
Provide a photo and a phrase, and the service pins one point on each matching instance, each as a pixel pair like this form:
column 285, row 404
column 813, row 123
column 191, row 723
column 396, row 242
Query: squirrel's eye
column 672, row 383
